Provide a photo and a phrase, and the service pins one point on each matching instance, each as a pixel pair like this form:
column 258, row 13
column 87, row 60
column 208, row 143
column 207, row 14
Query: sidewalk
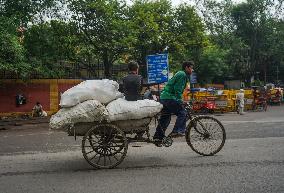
column 8, row 123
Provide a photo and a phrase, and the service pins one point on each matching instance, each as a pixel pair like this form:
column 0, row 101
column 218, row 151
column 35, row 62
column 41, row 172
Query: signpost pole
column 159, row 91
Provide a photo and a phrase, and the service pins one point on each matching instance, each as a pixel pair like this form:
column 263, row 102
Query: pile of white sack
column 99, row 100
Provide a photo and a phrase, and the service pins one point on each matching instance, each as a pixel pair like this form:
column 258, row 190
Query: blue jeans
column 171, row 106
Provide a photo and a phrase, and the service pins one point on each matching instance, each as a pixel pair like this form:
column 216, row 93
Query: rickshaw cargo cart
column 104, row 145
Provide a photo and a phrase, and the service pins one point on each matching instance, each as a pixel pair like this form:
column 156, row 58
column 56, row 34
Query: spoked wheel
column 104, row 146
column 205, row 135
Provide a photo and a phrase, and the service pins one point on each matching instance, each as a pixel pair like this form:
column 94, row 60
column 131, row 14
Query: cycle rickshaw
column 260, row 98
column 104, row 145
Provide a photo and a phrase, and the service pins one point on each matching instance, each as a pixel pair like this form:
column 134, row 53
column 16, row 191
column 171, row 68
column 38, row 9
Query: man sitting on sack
column 132, row 86
column 132, row 83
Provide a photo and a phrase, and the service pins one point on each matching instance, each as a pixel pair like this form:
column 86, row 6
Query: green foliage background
column 226, row 40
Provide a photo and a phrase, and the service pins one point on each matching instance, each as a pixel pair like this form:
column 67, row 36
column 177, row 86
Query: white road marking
column 256, row 121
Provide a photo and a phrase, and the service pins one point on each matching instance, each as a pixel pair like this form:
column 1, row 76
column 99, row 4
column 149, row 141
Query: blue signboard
column 158, row 68
column 193, row 78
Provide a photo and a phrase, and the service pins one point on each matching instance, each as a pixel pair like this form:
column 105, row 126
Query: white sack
column 122, row 109
column 103, row 91
column 88, row 111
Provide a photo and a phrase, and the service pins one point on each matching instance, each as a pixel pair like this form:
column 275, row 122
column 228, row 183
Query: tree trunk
column 107, row 65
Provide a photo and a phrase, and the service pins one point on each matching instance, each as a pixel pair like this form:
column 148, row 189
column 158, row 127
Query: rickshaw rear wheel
column 104, row 146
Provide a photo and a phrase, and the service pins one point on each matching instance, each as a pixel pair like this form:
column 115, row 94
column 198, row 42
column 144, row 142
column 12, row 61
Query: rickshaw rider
column 171, row 98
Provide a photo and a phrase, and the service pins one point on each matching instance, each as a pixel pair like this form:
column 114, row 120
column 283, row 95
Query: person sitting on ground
column 132, row 83
column 38, row 111
column 171, row 98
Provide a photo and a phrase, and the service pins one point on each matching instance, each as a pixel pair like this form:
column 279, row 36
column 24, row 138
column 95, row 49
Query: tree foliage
column 12, row 53
column 24, row 11
column 226, row 40
column 212, row 65
column 104, row 26
column 189, row 34
column 150, row 24
column 51, row 43
column 248, row 32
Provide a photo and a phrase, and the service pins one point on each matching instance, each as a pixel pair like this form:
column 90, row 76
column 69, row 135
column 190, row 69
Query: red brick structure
column 47, row 92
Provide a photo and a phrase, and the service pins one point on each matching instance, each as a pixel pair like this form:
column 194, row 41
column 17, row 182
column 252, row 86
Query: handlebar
column 187, row 105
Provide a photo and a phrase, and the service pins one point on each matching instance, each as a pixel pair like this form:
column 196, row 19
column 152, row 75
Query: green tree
column 157, row 27
column 217, row 19
column 275, row 51
column 255, row 26
column 150, row 23
column 189, row 37
column 212, row 66
column 50, row 44
column 15, row 16
column 104, row 26
column 25, row 11
column 12, row 53
column 249, row 31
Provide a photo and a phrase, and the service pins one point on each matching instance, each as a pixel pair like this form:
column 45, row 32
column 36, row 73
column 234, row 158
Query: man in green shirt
column 171, row 98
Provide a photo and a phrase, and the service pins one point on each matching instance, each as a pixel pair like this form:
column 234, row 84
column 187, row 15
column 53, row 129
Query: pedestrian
column 171, row 98
column 132, row 83
column 240, row 97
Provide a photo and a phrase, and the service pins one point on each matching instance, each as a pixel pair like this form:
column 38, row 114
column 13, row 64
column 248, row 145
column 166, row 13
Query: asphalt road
column 34, row 159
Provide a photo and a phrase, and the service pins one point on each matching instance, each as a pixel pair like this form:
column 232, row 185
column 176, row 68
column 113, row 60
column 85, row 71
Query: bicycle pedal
column 167, row 141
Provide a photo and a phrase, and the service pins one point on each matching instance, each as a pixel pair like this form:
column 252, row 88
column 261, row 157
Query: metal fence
column 75, row 71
